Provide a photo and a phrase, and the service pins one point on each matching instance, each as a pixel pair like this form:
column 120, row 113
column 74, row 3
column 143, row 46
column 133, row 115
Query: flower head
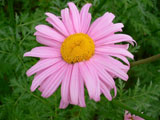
column 77, row 54
column 128, row 116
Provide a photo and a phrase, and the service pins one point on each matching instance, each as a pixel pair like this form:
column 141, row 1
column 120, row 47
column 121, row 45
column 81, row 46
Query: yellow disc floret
column 77, row 47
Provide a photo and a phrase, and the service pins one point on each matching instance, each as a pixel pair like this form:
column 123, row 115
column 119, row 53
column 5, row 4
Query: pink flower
column 79, row 54
column 128, row 116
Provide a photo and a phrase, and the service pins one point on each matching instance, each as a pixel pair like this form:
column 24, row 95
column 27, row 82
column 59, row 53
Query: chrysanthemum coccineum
column 128, row 116
column 77, row 54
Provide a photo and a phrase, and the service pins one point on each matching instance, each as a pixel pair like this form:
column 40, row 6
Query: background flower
column 128, row 116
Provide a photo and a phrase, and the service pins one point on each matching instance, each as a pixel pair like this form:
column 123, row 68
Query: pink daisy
column 128, row 116
column 78, row 54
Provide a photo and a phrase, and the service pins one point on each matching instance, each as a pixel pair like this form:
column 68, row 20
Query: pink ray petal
column 75, row 16
column 112, row 68
column 45, row 82
column 85, row 18
column 125, row 46
column 41, row 77
column 74, row 84
column 42, row 64
column 117, row 63
column 115, row 38
column 57, row 23
column 63, row 105
column 103, row 74
column 101, row 24
column 88, row 79
column 95, row 76
column 105, row 91
column 81, row 98
column 105, row 77
column 114, row 50
column 65, row 94
column 121, row 57
column 66, row 18
column 48, row 42
column 50, row 33
column 43, row 52
column 107, row 31
column 94, row 24
column 54, row 82
column 37, row 33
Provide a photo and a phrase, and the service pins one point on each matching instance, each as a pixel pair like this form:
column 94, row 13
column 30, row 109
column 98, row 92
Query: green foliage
column 141, row 19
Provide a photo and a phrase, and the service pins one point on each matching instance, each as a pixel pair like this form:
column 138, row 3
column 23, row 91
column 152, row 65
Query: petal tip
column 70, row 3
column 25, row 54
column 84, row 105
column 48, row 13
column 32, row 89
column 28, row 74
column 44, row 96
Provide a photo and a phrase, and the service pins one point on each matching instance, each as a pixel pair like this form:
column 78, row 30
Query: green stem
column 147, row 60
column 118, row 103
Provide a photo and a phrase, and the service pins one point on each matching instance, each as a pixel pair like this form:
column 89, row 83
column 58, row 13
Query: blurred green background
column 141, row 92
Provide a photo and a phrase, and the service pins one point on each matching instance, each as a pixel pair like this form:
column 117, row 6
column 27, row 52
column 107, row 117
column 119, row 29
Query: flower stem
column 118, row 103
column 147, row 60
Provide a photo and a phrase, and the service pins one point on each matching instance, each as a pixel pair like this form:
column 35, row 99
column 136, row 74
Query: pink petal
column 81, row 91
column 125, row 46
column 57, row 23
column 94, row 24
column 115, row 38
column 41, row 77
column 49, row 33
column 89, row 80
column 43, row 52
column 63, row 105
column 96, row 80
column 48, row 42
column 75, row 16
column 124, row 59
column 66, row 18
column 74, row 84
column 44, row 83
column 101, row 24
column 85, row 18
column 42, row 64
column 37, row 33
column 113, row 50
column 105, row 77
column 117, row 63
column 105, row 91
column 107, row 31
column 54, row 82
column 65, row 93
column 112, row 68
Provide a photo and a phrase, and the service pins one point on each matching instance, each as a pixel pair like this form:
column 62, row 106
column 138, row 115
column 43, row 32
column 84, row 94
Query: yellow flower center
column 77, row 47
